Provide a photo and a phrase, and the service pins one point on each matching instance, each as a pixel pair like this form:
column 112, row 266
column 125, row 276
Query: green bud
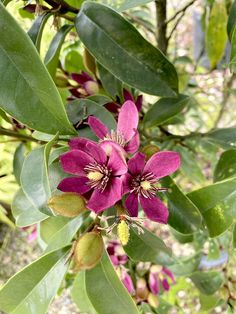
column 89, row 61
column 61, row 79
column 88, row 250
column 67, row 204
column 150, row 150
column 153, row 300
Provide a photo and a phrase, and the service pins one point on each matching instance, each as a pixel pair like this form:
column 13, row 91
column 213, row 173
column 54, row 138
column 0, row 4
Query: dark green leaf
column 52, row 57
column 217, row 204
column 39, row 106
column 36, row 30
column 110, row 83
column 73, row 62
column 108, row 295
column 226, row 166
column 24, row 212
column 18, row 160
column 207, row 282
column 79, row 294
column 231, row 20
column 32, row 289
column 122, row 5
column 117, row 45
column 184, row 216
column 164, row 109
column 186, row 266
column 100, row 99
column 225, row 137
column 36, row 186
column 147, row 247
column 216, row 36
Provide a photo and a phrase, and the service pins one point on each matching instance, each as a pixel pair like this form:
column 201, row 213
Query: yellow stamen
column 123, row 232
column 146, row 185
column 94, row 175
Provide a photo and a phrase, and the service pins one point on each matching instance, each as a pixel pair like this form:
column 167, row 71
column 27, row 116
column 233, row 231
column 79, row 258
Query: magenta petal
column 127, row 282
column 136, row 164
column 163, row 163
column 79, row 143
column 32, row 236
column 153, row 282
column 126, row 183
column 77, row 185
column 114, row 260
column 154, row 209
column 117, row 163
column 133, row 145
column 128, row 120
column 96, row 152
column 108, row 145
column 127, row 95
column 81, row 78
column 100, row 201
column 131, row 204
column 98, row 127
column 75, row 161
column 165, row 285
column 139, row 102
column 169, row 273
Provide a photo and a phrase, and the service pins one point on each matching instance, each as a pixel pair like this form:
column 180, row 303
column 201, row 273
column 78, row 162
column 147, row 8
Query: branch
column 175, row 26
column 161, row 26
column 21, row 137
column 182, row 10
column 62, row 5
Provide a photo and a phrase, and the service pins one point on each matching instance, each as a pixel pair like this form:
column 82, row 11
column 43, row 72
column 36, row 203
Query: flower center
column 115, row 137
column 98, row 175
column 144, row 185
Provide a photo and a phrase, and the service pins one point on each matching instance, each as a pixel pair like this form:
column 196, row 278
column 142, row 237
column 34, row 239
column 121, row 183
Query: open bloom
column 141, row 181
column 125, row 137
column 160, row 276
column 96, row 174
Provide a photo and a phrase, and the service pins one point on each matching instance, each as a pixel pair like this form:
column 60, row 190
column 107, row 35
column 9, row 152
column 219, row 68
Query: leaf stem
column 21, row 137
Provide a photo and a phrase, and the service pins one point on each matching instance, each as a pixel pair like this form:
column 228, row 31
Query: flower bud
column 153, row 300
column 67, row 204
column 150, row 150
column 141, row 289
column 91, row 87
column 88, row 250
column 89, row 61
column 123, row 232
column 61, row 79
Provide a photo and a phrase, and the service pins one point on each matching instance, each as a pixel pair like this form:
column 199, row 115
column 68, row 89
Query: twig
column 161, row 26
column 139, row 21
column 63, row 6
column 175, row 26
column 21, row 137
column 182, row 10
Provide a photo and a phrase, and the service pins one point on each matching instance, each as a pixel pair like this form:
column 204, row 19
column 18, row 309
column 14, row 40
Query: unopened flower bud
column 91, row 87
column 61, row 79
column 141, row 289
column 150, row 150
column 153, row 300
column 67, row 204
column 88, row 250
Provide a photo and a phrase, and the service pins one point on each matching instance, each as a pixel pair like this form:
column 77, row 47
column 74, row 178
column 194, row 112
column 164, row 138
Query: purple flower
column 32, row 233
column 116, row 253
column 88, row 86
column 160, row 276
column 126, row 137
column 138, row 102
column 97, row 175
column 141, row 181
column 127, row 281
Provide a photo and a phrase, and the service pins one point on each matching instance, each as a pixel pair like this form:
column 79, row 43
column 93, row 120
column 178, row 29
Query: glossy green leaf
column 108, row 295
column 110, row 83
column 231, row 20
column 234, row 237
column 164, row 109
column 39, row 106
column 80, row 109
column 122, row 5
column 52, row 56
column 118, row 46
column 65, row 234
column 226, row 166
column 18, row 160
column 217, row 204
column 36, row 30
column 186, row 266
column 207, row 282
column 184, row 216
column 216, row 35
column 100, row 99
column 34, row 177
column 4, row 219
column 50, row 226
column 225, row 137
column 147, row 247
column 79, row 294
column 73, row 62
column 32, row 289
column 182, row 238
column 24, row 212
